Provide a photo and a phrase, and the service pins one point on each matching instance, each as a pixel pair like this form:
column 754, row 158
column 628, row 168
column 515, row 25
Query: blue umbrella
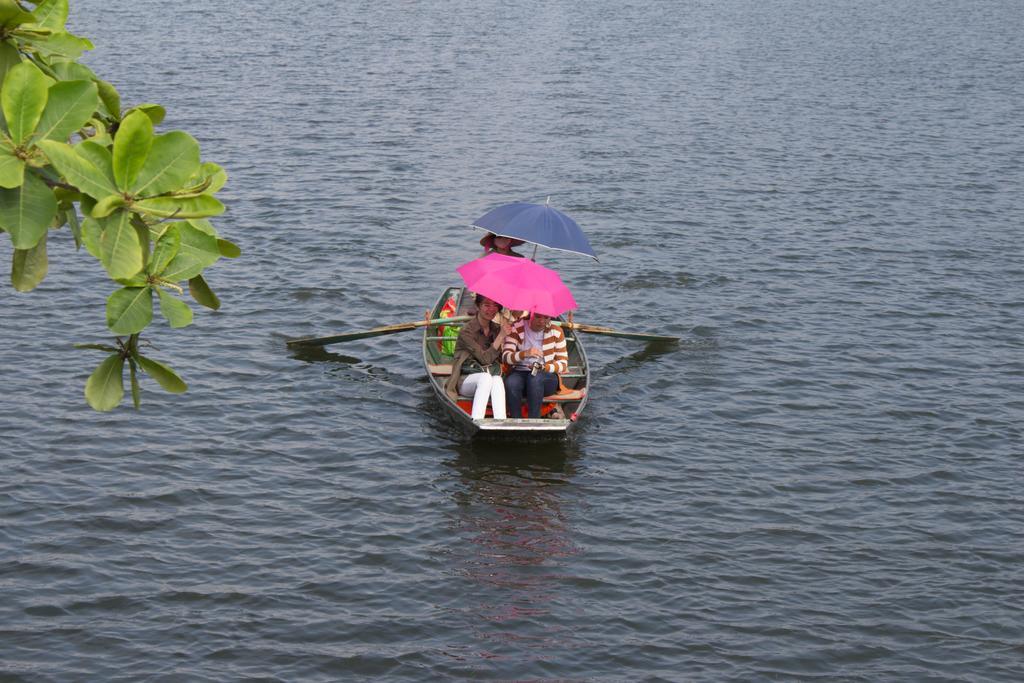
column 536, row 223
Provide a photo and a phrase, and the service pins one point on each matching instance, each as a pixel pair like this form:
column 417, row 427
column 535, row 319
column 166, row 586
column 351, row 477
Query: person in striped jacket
column 535, row 352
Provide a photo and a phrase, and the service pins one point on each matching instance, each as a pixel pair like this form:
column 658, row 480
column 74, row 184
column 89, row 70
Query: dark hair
column 480, row 299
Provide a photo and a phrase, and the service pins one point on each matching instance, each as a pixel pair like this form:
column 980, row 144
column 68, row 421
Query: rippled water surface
column 821, row 481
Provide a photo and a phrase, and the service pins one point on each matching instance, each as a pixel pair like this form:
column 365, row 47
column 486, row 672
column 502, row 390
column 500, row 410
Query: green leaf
column 196, row 251
column 58, row 218
column 73, row 71
column 92, row 233
column 133, row 373
column 107, row 206
column 99, row 134
column 105, row 387
column 69, row 107
column 217, row 175
column 12, row 169
column 130, row 310
column 166, row 377
column 86, row 202
column 12, row 15
column 99, row 156
column 98, row 347
column 180, row 207
column 27, row 211
column 138, row 280
column 208, row 180
column 78, row 170
column 61, row 45
column 23, row 99
column 202, row 293
column 176, row 311
column 110, row 98
column 51, row 14
column 76, row 228
column 9, row 56
column 132, row 145
column 165, row 250
column 173, row 159
column 29, row 32
column 29, row 267
column 121, row 249
column 228, row 249
column 66, row 196
column 204, row 225
column 155, row 112
column 145, row 236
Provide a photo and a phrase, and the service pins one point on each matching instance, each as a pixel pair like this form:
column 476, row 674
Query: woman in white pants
column 478, row 353
column 483, row 386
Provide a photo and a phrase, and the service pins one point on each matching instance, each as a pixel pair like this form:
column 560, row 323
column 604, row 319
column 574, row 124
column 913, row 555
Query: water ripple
column 817, row 483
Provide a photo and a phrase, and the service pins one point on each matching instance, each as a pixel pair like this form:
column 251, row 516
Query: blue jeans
column 536, row 387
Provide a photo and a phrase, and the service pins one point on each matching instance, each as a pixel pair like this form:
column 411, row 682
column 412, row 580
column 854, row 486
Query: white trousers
column 482, row 386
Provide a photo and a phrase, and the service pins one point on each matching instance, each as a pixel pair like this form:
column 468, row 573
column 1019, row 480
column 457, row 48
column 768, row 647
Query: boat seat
column 568, row 395
column 563, row 395
column 440, row 369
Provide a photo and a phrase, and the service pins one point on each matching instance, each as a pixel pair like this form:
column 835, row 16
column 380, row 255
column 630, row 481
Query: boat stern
column 522, row 425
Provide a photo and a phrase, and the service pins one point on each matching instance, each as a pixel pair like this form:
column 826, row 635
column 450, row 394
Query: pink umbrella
column 518, row 283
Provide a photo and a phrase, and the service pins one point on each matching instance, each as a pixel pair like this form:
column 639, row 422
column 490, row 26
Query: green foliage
column 130, row 310
column 27, row 211
column 29, row 267
column 105, row 387
column 164, row 376
column 68, row 150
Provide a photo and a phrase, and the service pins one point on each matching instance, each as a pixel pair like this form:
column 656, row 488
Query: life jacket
column 447, row 346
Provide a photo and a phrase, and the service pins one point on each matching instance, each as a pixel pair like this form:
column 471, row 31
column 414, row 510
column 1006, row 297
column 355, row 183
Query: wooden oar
column 375, row 332
column 609, row 332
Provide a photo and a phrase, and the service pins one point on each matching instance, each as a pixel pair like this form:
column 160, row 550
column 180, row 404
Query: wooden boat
column 559, row 412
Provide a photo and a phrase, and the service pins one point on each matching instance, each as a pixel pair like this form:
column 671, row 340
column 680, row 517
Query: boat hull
column 565, row 409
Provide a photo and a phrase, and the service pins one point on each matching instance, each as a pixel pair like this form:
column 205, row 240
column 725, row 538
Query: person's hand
column 502, row 333
column 533, row 352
